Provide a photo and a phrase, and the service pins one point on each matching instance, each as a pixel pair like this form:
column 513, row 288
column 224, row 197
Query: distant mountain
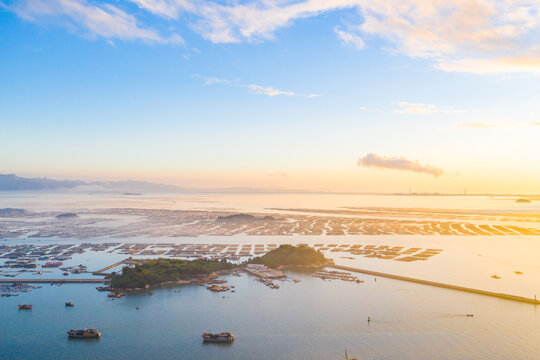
column 13, row 182
column 9, row 212
column 244, row 218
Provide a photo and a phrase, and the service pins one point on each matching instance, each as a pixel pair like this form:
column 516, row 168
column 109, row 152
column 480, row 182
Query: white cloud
column 405, row 107
column 395, row 163
column 210, row 80
column 256, row 89
column 105, row 20
column 495, row 124
column 166, row 8
column 268, row 90
column 475, row 36
column 350, row 38
column 415, row 108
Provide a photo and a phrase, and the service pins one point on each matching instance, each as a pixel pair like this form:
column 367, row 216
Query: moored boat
column 25, row 307
column 84, row 334
column 223, row 336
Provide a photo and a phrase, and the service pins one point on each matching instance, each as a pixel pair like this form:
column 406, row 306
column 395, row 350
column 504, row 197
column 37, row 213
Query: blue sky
column 285, row 94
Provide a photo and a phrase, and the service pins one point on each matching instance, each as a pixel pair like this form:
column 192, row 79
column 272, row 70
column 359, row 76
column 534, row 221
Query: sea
column 310, row 319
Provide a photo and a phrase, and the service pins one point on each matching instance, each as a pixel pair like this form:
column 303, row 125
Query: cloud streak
column 415, row 108
column 253, row 88
column 395, row 163
column 105, row 21
column 350, row 38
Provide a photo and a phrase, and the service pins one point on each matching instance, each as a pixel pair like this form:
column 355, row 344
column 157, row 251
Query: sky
column 319, row 95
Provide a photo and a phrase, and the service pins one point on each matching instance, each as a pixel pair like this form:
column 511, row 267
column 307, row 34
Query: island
column 67, row 216
column 167, row 271
column 291, row 256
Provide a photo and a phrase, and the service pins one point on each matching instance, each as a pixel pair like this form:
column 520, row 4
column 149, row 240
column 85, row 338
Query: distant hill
column 66, row 216
column 9, row 212
column 11, row 182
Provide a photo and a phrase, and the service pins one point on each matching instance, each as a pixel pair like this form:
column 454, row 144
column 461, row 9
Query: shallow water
column 40, row 201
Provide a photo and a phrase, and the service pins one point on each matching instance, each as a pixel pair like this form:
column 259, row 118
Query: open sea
column 312, row 319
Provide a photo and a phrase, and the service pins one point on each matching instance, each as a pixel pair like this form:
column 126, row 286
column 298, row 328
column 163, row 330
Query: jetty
column 54, row 281
column 441, row 285
column 102, row 271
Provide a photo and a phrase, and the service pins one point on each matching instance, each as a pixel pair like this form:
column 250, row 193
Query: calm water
column 39, row 201
column 312, row 319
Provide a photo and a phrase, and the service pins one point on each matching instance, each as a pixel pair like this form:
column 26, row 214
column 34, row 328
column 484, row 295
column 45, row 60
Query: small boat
column 65, row 274
column 69, row 304
column 84, row 334
column 470, row 315
column 495, row 276
column 25, row 307
column 224, row 336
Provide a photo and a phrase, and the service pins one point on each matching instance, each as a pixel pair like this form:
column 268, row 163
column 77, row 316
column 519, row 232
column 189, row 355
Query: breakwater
column 46, row 281
column 441, row 285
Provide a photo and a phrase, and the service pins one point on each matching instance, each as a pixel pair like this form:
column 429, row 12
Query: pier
column 102, row 271
column 53, row 281
column 441, row 285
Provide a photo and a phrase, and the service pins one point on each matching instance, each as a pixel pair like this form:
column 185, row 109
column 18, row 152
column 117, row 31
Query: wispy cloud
column 495, row 124
column 479, row 36
column 398, row 163
column 415, row 108
column 105, row 20
column 476, row 36
column 253, row 88
column 268, row 90
column 210, row 80
column 350, row 38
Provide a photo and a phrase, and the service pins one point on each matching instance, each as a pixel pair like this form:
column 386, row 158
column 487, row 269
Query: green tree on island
column 288, row 255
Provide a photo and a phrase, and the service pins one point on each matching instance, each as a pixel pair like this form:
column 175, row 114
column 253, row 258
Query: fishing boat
column 84, row 334
column 224, row 337
column 25, row 307
column 69, row 304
